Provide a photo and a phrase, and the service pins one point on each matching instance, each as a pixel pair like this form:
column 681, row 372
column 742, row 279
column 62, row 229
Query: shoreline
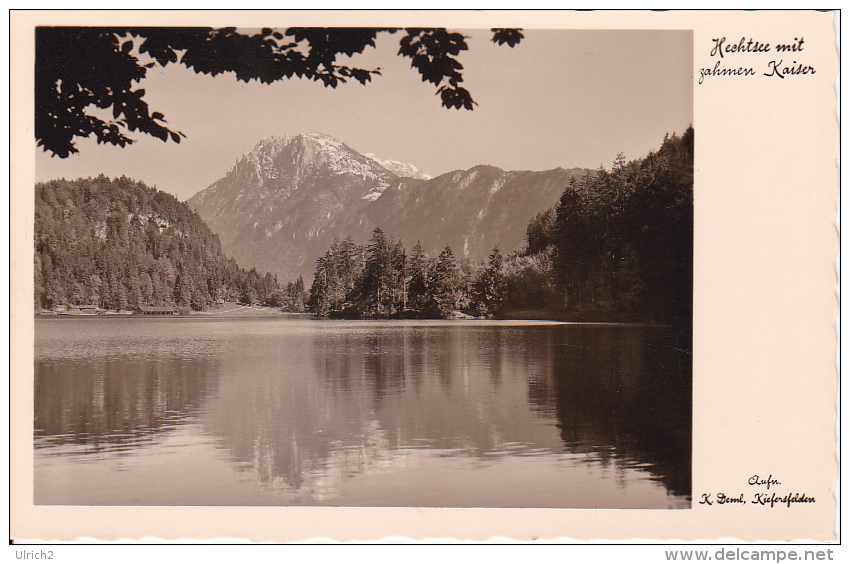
column 312, row 317
column 232, row 310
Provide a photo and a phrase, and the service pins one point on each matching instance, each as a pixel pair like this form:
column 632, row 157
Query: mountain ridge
column 285, row 201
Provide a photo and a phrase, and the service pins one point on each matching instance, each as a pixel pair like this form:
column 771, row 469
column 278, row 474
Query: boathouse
column 85, row 309
column 155, row 310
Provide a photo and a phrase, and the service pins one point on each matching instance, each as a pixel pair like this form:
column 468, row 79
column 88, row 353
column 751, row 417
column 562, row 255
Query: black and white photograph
column 363, row 266
column 443, row 267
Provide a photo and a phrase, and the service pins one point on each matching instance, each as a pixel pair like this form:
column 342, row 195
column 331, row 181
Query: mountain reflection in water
column 271, row 411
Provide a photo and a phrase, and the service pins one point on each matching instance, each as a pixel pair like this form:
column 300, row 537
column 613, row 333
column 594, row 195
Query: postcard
column 357, row 275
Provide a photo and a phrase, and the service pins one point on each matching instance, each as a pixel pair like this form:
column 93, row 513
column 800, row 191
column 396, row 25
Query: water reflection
column 624, row 393
column 338, row 412
column 365, row 396
column 115, row 404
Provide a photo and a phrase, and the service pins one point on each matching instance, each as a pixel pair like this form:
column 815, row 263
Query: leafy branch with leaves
column 78, row 69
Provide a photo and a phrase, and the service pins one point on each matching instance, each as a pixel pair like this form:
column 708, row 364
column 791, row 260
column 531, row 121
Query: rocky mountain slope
column 283, row 204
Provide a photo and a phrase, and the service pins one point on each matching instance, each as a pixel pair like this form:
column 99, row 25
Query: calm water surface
column 270, row 411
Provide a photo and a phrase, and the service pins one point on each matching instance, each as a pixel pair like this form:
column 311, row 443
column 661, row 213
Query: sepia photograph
column 361, row 266
column 441, row 267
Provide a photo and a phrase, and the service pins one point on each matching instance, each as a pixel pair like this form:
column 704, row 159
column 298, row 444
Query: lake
column 273, row 411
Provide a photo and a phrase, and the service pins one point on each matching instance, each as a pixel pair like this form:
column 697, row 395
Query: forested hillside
column 618, row 246
column 120, row 244
column 620, row 242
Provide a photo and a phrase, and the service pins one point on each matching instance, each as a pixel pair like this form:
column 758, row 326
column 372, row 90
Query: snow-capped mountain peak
column 405, row 170
column 339, row 157
column 315, row 149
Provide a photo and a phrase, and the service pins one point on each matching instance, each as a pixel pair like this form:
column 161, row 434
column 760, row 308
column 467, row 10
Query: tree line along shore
column 617, row 246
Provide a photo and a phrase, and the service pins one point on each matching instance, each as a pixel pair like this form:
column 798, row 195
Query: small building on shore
column 85, row 309
column 155, row 310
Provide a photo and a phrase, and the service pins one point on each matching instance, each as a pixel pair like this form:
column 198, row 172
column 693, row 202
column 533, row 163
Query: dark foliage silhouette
column 78, row 68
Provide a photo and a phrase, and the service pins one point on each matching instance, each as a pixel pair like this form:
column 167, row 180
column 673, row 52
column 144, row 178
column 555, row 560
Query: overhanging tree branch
column 78, row 68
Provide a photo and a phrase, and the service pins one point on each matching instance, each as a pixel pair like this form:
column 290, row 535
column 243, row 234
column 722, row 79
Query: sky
column 561, row 98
